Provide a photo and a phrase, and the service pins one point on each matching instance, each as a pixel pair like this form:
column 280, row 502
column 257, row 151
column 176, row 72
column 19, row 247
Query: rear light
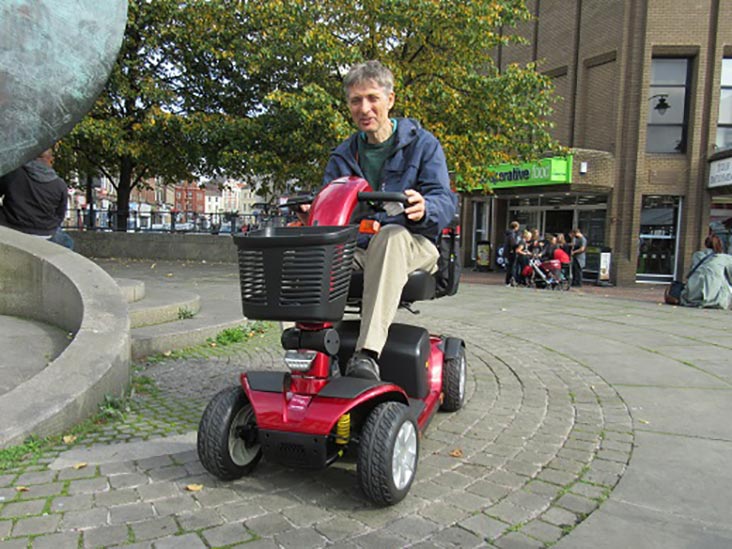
column 299, row 361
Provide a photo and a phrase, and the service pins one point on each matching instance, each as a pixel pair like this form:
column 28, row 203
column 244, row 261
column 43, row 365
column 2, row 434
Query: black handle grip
column 295, row 201
column 383, row 196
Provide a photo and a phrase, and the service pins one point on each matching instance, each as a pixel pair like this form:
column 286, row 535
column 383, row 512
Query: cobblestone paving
column 539, row 445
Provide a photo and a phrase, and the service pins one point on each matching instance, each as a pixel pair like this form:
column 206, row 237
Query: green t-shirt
column 372, row 157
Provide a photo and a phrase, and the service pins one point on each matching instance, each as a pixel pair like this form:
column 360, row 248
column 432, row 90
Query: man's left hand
column 416, row 210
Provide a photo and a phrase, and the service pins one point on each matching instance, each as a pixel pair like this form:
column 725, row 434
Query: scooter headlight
column 299, row 361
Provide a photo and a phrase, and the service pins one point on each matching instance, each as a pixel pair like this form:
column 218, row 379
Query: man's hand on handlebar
column 416, row 210
column 302, row 213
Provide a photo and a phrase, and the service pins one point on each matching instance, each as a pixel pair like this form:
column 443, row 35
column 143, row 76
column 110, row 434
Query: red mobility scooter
column 311, row 415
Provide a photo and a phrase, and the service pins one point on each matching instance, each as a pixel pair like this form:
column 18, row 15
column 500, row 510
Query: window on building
column 657, row 245
column 724, row 124
column 667, row 109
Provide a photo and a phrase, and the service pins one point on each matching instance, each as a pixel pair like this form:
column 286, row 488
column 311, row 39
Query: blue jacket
column 418, row 162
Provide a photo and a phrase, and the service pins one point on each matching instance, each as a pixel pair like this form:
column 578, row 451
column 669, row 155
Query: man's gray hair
column 369, row 71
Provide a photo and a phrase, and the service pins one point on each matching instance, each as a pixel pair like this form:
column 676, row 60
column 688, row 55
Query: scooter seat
column 420, row 286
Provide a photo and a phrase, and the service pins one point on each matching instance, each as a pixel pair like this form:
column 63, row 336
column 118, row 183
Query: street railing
column 173, row 222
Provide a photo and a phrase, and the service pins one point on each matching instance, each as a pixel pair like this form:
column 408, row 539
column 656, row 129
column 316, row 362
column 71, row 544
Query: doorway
column 558, row 221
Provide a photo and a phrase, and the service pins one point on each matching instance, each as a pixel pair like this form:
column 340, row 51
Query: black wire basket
column 296, row 273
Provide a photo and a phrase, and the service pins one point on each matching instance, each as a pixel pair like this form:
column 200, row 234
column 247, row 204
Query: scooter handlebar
column 295, row 202
column 382, row 196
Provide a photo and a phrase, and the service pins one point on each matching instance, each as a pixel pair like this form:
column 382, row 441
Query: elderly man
column 34, row 198
column 394, row 155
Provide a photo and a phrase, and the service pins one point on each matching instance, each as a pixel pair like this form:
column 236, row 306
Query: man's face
column 370, row 106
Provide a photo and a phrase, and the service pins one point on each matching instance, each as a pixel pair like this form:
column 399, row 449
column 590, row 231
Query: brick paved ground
column 544, row 440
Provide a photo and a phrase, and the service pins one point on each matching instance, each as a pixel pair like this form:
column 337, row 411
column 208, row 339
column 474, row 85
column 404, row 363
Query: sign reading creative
column 548, row 171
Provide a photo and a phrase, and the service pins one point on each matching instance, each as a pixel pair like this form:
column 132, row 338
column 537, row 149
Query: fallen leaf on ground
column 69, row 439
column 456, row 453
column 22, row 489
column 194, row 487
column 80, row 465
column 644, row 421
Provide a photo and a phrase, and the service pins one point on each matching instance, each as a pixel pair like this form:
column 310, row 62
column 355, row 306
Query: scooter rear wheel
column 227, row 440
column 454, row 374
column 388, row 453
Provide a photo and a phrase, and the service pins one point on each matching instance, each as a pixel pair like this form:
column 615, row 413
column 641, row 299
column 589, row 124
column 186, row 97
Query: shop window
column 667, row 109
column 657, row 244
column 724, row 123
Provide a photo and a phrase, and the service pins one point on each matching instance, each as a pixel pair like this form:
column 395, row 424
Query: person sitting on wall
column 34, row 199
column 710, row 283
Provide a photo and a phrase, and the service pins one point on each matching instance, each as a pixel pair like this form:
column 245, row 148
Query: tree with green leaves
column 440, row 54
column 242, row 88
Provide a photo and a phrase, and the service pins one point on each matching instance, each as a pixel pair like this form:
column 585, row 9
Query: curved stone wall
column 46, row 282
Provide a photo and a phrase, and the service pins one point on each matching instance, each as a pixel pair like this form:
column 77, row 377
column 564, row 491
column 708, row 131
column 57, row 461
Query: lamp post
column 662, row 106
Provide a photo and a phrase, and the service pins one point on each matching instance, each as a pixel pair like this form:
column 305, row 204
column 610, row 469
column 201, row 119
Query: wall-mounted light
column 662, row 106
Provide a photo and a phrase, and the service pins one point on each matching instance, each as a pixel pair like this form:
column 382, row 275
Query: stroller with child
column 547, row 274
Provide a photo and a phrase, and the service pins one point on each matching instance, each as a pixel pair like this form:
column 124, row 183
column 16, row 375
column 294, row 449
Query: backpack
column 449, row 264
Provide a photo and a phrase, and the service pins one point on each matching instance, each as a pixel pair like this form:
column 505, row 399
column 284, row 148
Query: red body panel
column 336, row 201
column 306, row 413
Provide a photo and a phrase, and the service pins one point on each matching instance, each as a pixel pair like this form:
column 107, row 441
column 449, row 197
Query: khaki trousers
column 392, row 254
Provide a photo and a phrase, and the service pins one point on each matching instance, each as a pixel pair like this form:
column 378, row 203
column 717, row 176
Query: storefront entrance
column 558, row 221
column 560, row 213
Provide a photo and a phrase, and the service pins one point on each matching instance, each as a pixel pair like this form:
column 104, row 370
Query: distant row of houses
column 151, row 205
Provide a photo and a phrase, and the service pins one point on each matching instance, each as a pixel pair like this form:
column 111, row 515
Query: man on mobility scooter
column 397, row 375
column 393, row 155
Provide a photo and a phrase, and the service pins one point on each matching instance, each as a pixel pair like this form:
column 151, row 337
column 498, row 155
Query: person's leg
column 576, row 273
column 392, row 254
column 509, row 268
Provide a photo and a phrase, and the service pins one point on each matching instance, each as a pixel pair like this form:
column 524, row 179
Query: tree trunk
column 124, row 189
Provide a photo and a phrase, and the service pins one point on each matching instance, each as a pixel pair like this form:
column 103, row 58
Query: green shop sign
column 548, row 171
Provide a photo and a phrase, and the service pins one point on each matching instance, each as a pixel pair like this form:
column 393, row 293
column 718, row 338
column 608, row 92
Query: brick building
column 190, row 199
column 646, row 88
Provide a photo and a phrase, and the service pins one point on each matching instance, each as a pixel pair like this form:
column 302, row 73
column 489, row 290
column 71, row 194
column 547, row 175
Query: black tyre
column 228, row 445
column 454, row 374
column 388, row 453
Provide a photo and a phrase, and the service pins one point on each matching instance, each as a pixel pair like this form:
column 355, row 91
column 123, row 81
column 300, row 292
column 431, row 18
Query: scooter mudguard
column 276, row 408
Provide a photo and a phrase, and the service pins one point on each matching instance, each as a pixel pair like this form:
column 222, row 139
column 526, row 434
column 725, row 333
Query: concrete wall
column 159, row 246
column 46, row 282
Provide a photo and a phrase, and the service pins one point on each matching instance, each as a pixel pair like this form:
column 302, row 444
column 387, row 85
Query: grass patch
column 239, row 334
column 32, row 448
column 184, row 313
column 219, row 344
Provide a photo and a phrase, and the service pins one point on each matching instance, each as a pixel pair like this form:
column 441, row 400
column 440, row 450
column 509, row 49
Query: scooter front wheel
column 228, row 445
column 388, row 453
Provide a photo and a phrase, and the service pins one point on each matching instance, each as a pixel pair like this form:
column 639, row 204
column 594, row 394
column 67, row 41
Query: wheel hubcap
column 404, row 461
column 463, row 375
column 241, row 451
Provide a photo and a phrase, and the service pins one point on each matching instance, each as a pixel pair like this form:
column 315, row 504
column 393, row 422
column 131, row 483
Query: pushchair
column 546, row 273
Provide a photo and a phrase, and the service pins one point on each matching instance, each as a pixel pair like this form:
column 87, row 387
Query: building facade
column 645, row 106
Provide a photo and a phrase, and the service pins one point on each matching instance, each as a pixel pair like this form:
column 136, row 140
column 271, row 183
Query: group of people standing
column 521, row 245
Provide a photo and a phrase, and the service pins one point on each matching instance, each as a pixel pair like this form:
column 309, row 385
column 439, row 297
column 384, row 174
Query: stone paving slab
column 27, row 348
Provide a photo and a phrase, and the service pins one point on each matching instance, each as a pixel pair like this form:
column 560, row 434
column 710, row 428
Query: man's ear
column 391, row 99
